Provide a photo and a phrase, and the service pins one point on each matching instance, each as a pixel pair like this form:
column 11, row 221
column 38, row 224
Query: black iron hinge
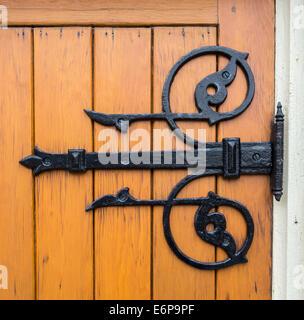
column 229, row 158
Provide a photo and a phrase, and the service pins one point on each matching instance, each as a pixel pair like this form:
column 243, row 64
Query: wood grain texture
column 63, row 87
column 16, row 197
column 122, row 235
column 249, row 26
column 172, row 278
column 106, row 12
column 73, row 248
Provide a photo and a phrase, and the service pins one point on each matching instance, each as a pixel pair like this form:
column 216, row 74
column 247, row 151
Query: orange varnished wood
column 113, row 246
column 172, row 278
column 63, row 87
column 107, row 12
column 122, row 235
column 249, row 26
column 16, row 183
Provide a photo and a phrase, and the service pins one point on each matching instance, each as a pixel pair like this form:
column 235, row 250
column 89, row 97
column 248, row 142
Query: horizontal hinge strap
column 230, row 158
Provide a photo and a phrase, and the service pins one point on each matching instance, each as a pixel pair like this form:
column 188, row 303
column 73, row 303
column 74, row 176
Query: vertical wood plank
column 122, row 235
column 249, row 26
column 16, row 196
column 172, row 278
column 63, row 86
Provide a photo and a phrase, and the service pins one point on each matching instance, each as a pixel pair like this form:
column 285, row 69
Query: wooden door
column 58, row 58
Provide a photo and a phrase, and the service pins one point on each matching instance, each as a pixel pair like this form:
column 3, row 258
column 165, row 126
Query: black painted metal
column 250, row 158
column 231, row 158
column 76, row 160
column 217, row 237
column 278, row 152
column 204, row 101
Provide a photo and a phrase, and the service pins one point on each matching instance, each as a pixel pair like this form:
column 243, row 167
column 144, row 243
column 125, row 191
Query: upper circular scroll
column 219, row 80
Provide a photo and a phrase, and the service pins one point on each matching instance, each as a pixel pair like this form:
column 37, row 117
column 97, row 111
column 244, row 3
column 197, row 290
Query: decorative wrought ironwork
column 229, row 158
column 277, row 138
column 203, row 100
column 203, row 217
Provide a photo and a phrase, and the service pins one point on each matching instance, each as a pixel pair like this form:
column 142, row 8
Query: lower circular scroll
column 217, row 237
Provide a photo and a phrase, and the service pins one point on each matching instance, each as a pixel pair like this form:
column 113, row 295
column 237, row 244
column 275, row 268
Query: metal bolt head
column 46, row 162
column 225, row 74
column 256, row 156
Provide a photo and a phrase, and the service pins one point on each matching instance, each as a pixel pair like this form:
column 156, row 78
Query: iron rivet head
column 225, row 74
column 123, row 197
column 256, row 156
column 47, row 162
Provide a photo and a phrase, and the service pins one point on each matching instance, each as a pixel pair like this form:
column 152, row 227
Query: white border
column 288, row 215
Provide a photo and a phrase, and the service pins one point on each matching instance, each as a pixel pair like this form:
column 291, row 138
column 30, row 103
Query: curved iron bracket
column 203, row 100
column 203, row 216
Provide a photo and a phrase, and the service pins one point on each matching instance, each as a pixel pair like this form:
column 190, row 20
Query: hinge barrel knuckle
column 278, row 154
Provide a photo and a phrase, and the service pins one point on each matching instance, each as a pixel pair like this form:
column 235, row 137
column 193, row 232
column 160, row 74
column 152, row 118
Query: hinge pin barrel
column 278, row 153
